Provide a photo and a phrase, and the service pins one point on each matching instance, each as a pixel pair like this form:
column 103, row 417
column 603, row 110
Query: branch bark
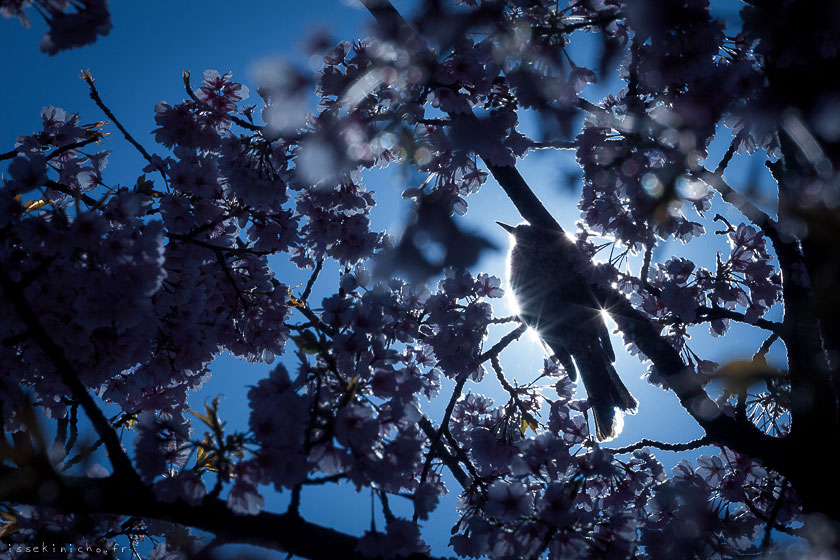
column 65, row 370
column 85, row 496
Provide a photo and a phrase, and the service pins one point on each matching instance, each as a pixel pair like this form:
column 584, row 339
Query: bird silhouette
column 556, row 300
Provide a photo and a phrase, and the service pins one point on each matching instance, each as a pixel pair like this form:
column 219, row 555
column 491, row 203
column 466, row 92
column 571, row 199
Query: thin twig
column 462, row 457
column 94, row 94
column 315, row 320
column 554, row 145
column 694, row 444
column 740, row 202
column 765, row 347
column 712, row 313
column 448, row 459
column 386, row 507
column 9, row 155
column 324, row 479
column 514, row 394
column 66, row 148
column 444, row 423
column 456, row 394
column 205, row 107
column 308, row 289
column 119, row 459
column 229, row 275
column 727, row 157
column 229, row 250
column 774, row 526
column 646, row 266
column 505, row 341
column 56, row 186
column 500, row 320
column 771, row 522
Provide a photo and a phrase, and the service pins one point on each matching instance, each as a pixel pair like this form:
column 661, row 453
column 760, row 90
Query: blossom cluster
column 71, row 24
column 133, row 290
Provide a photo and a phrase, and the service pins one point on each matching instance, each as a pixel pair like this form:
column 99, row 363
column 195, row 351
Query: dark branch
column 752, row 212
column 81, row 143
column 694, row 444
column 86, row 496
column 456, row 394
column 712, row 313
column 514, row 394
column 774, row 514
column 120, row 461
column 643, row 275
column 782, row 529
column 216, row 248
column 94, row 94
column 308, row 289
column 444, row 424
column 448, row 459
column 505, row 341
column 765, row 347
column 500, row 320
column 554, row 145
column 56, row 186
column 205, row 107
column 727, row 157
column 9, row 155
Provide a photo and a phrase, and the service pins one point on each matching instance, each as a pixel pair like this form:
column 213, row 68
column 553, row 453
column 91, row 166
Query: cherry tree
column 119, row 292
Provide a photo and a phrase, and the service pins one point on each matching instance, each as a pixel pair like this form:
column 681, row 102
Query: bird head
column 510, row 229
column 526, row 235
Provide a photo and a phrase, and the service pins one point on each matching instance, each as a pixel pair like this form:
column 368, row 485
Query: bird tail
column 606, row 393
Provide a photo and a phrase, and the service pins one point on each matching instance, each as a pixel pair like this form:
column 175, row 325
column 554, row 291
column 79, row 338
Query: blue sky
column 140, row 63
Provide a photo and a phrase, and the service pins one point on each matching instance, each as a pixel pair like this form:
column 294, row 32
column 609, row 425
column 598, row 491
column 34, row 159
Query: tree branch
column 694, row 444
column 456, row 394
column 500, row 320
column 782, row 529
column 743, row 437
column 204, row 106
column 514, row 395
column 94, row 95
column 86, row 496
column 712, row 313
column 643, row 275
column 554, row 145
column 444, row 423
column 308, row 289
column 73, row 146
column 9, row 155
column 503, row 343
column 216, row 248
column 56, row 186
column 448, row 459
column 119, row 459
column 727, row 157
column 774, row 513
column 752, row 212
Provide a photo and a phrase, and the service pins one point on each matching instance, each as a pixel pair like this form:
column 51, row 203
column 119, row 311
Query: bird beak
column 506, row 227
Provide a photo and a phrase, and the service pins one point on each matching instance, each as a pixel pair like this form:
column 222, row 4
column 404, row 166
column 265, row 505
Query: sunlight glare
column 608, row 318
column 534, row 336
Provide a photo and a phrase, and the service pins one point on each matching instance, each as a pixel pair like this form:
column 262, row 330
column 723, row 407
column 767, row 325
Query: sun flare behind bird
column 554, row 299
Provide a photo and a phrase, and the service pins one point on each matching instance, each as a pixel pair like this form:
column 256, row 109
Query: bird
column 555, row 300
